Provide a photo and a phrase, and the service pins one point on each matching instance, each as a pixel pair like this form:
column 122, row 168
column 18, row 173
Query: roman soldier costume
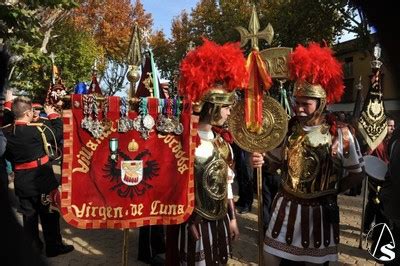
column 209, row 76
column 316, row 157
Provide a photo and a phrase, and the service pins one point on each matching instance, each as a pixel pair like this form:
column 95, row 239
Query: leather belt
column 32, row 164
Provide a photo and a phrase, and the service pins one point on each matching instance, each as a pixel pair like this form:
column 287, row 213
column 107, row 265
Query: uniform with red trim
column 35, row 183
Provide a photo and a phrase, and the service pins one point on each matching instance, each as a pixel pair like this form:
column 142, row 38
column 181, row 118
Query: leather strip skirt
column 303, row 229
column 204, row 242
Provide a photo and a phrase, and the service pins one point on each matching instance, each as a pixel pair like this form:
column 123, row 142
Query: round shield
column 375, row 167
column 274, row 129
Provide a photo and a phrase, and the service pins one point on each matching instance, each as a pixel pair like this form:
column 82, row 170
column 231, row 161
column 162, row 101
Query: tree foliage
column 294, row 22
column 114, row 78
column 162, row 50
column 22, row 19
column 76, row 52
column 25, row 27
column 299, row 22
column 78, row 31
column 110, row 23
column 94, row 30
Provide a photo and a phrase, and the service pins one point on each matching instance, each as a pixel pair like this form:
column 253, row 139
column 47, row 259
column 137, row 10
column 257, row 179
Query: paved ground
column 103, row 247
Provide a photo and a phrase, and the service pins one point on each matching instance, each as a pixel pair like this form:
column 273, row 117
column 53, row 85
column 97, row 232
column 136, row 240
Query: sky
column 163, row 11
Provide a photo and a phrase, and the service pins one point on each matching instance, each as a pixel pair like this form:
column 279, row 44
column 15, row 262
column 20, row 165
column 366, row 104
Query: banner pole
column 363, row 212
column 125, row 248
column 260, row 217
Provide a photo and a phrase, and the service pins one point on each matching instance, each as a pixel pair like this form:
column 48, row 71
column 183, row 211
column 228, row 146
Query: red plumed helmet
column 211, row 64
column 317, row 73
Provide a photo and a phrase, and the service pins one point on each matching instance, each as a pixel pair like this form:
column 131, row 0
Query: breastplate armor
column 211, row 181
column 310, row 172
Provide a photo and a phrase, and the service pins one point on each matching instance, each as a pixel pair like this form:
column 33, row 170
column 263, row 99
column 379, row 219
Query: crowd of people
column 301, row 179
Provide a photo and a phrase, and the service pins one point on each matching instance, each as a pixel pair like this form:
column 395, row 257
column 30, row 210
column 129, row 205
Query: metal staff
column 363, row 212
column 260, row 217
column 125, row 248
column 372, row 124
column 113, row 145
column 276, row 124
column 375, row 169
column 253, row 135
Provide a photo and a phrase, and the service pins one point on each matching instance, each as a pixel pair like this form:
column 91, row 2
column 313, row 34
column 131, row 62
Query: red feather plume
column 317, row 65
column 209, row 64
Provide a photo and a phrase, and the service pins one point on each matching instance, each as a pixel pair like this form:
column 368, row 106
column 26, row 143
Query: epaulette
column 35, row 124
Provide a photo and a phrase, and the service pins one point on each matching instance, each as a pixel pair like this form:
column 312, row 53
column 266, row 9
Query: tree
column 163, row 52
column 168, row 53
column 299, row 22
column 110, row 22
column 357, row 22
column 294, row 22
column 76, row 51
column 217, row 20
column 114, row 78
column 23, row 20
column 26, row 28
column 211, row 19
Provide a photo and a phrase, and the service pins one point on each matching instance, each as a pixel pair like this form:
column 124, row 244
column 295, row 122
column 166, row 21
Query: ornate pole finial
column 134, row 59
column 54, row 70
column 376, row 63
column 52, row 57
column 134, row 51
column 253, row 34
column 191, row 46
column 94, row 68
column 359, row 85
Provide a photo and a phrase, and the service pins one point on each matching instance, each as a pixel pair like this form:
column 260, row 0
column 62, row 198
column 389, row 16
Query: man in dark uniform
column 56, row 145
column 35, row 184
column 244, row 173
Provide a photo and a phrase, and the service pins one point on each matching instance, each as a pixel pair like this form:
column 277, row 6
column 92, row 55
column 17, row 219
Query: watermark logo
column 383, row 244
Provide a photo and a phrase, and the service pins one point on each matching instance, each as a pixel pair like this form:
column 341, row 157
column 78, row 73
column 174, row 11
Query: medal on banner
column 161, row 119
column 86, row 122
column 96, row 127
column 165, row 124
column 144, row 122
column 168, row 120
column 148, row 122
column 106, row 122
column 169, row 125
column 178, row 129
column 124, row 122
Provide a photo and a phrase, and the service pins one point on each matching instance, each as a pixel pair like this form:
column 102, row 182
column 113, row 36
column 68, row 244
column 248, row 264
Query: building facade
column 357, row 72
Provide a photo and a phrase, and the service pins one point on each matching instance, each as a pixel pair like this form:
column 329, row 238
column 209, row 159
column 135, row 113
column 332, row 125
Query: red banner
column 156, row 185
